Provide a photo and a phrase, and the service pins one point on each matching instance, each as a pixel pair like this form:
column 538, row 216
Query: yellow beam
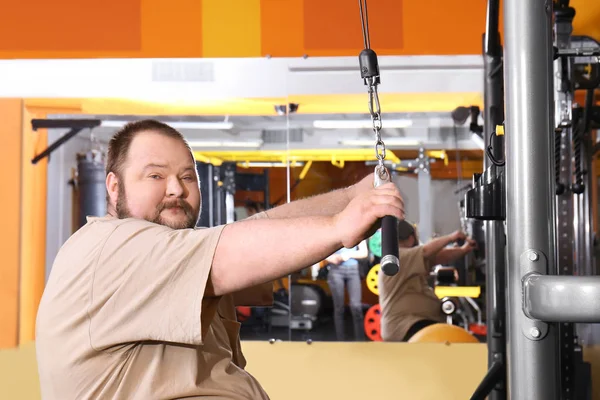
column 305, row 170
column 309, row 104
column 335, row 156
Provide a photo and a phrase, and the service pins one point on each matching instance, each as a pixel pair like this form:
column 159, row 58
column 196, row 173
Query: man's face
column 159, row 183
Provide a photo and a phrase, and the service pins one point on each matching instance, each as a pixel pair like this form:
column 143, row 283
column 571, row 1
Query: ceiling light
column 360, row 124
column 200, row 143
column 270, row 164
column 222, row 125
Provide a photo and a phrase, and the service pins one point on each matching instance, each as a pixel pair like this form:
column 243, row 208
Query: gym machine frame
column 486, row 202
column 541, row 304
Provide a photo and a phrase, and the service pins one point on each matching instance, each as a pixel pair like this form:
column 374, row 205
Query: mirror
column 305, row 144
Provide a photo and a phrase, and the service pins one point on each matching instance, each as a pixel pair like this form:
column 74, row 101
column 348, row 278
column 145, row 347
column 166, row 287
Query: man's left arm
column 325, row 204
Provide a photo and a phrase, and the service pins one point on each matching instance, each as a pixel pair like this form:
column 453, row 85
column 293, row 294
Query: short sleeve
column 149, row 284
column 413, row 260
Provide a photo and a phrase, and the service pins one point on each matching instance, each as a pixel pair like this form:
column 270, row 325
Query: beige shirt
column 124, row 315
column 406, row 297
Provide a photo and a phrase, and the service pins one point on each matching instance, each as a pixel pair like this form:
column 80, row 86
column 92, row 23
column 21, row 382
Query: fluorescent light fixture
column 270, row 164
column 229, row 143
column 360, row 124
column 388, row 142
column 224, row 125
column 478, row 140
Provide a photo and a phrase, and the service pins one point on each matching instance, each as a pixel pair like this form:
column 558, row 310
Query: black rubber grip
column 390, row 264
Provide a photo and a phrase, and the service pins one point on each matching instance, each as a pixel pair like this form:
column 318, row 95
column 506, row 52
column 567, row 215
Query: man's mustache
column 176, row 204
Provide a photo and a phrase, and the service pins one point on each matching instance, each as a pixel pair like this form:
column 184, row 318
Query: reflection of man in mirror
column 408, row 303
column 253, row 207
column 344, row 274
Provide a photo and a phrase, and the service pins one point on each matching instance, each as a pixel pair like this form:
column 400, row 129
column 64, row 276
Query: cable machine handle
column 390, row 262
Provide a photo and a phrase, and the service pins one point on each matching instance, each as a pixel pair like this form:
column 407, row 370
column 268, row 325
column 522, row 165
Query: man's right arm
column 431, row 248
column 252, row 252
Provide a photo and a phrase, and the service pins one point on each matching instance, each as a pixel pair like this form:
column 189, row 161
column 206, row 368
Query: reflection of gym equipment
column 461, row 307
column 372, row 279
column 219, row 184
column 456, row 302
column 307, row 303
column 373, row 323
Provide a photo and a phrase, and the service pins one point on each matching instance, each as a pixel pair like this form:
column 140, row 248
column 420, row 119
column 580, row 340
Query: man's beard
column 189, row 222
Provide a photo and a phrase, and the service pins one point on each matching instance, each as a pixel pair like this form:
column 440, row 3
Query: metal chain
column 375, row 110
column 370, row 73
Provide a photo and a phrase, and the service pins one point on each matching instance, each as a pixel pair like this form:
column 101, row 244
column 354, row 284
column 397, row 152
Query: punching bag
column 91, row 185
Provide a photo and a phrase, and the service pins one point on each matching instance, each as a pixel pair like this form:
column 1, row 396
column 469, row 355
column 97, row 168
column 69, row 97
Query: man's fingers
column 382, row 210
column 390, row 192
column 389, row 188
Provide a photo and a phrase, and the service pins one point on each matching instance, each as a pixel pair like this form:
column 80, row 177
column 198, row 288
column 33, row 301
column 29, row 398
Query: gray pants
column 340, row 278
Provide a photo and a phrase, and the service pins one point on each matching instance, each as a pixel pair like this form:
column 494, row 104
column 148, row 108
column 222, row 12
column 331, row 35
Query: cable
column 490, row 154
column 364, row 21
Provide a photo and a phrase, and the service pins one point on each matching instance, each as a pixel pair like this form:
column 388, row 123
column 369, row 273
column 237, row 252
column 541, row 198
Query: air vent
column 173, row 71
column 280, row 135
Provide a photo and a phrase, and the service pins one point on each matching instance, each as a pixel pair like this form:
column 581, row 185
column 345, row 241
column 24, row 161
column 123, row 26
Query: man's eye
column 188, row 178
column 155, row 176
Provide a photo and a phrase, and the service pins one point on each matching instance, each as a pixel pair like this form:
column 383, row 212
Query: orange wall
column 33, row 226
column 23, row 234
column 246, row 28
column 11, row 115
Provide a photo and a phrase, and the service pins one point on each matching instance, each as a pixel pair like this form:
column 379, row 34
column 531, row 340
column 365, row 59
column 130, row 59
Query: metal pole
column 532, row 345
column 424, row 189
column 211, row 195
column 495, row 242
column 566, row 200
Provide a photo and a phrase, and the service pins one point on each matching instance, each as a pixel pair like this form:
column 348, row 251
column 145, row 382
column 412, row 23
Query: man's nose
column 175, row 188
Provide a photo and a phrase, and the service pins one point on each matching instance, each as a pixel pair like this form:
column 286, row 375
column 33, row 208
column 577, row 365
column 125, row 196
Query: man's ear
column 112, row 187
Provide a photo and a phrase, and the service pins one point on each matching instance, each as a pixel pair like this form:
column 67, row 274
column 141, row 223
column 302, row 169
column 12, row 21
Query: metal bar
column 553, row 298
column 211, row 196
column 64, row 123
column 492, row 379
column 532, row 345
column 424, row 190
column 267, row 189
column 492, row 32
column 493, row 115
column 59, row 142
column 584, row 51
column 565, row 201
column 76, row 125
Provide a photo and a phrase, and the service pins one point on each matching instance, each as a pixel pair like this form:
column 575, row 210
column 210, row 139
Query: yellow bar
column 305, row 170
column 457, row 291
column 231, row 28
